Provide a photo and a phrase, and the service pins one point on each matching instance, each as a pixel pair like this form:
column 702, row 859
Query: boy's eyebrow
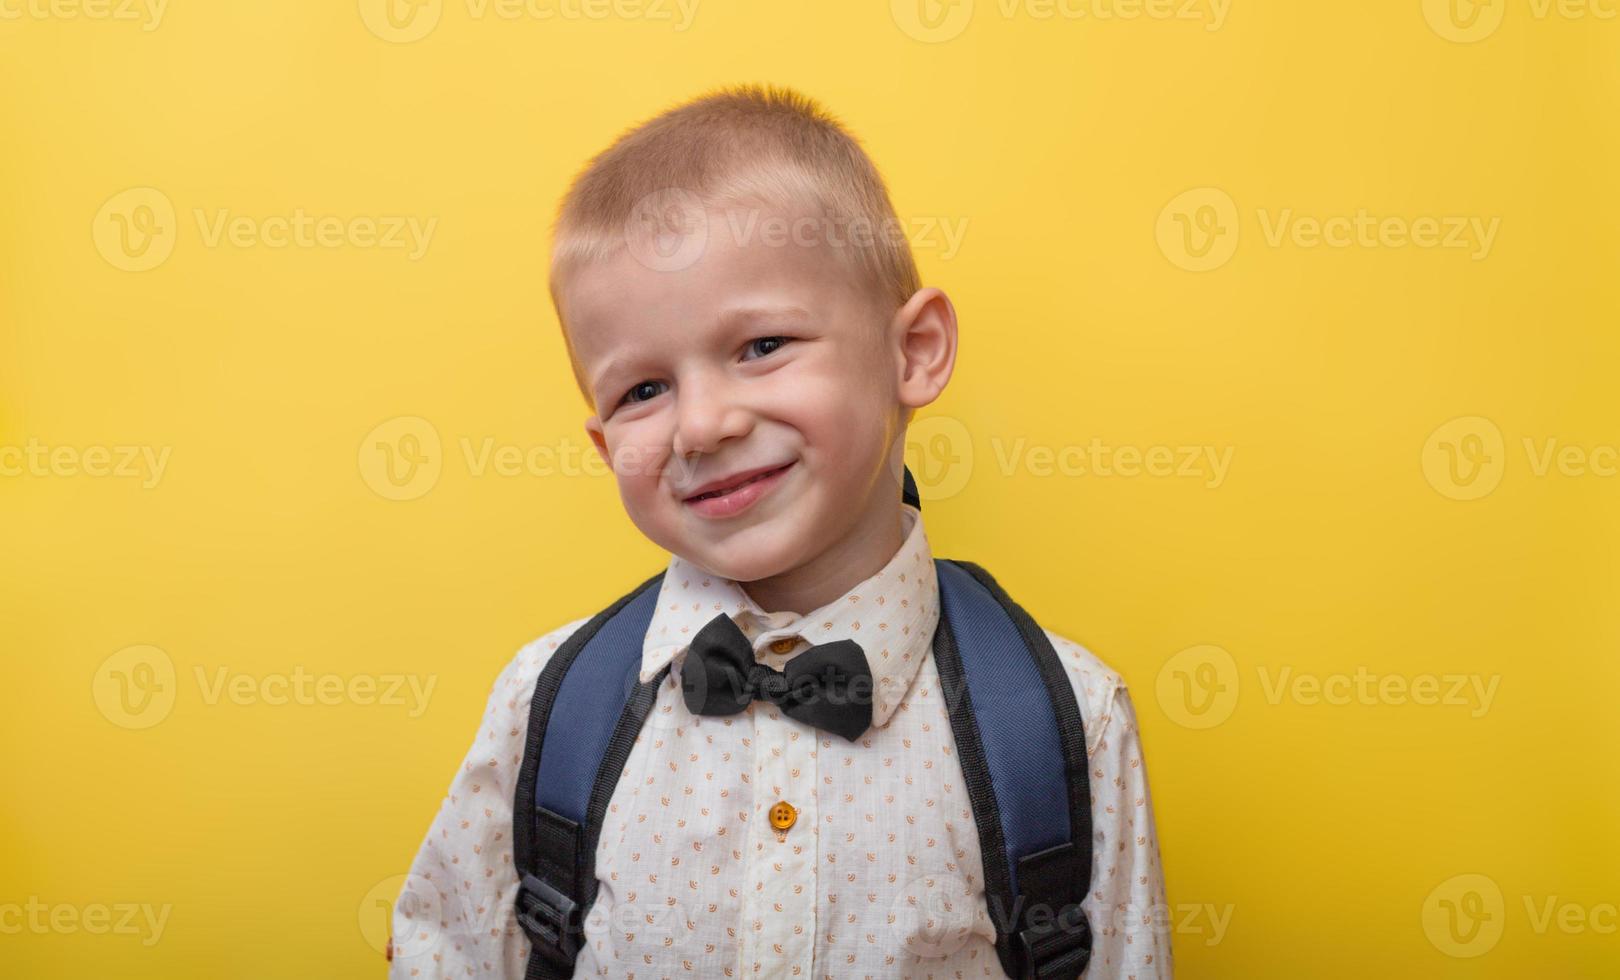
column 745, row 313
column 735, row 316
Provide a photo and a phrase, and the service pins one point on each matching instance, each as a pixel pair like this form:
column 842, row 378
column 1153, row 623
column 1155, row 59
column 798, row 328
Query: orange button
column 783, row 645
column 783, row 815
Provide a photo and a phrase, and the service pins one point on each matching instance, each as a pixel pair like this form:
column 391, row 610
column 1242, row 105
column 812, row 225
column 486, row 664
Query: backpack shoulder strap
column 588, row 707
column 1022, row 745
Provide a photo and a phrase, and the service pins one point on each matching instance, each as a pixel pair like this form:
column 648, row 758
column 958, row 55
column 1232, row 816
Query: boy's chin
column 748, row 556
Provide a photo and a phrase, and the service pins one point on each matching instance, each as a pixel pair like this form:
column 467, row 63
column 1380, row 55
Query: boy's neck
column 862, row 553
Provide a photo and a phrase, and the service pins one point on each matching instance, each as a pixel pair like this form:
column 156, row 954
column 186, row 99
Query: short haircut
column 745, row 145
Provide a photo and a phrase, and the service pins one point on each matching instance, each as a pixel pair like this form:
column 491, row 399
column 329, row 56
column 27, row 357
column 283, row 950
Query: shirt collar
column 892, row 616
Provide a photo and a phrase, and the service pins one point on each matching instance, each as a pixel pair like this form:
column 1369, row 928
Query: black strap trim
column 555, row 858
column 607, row 777
column 1066, row 708
column 908, row 488
column 1055, row 940
column 982, row 797
column 1043, row 933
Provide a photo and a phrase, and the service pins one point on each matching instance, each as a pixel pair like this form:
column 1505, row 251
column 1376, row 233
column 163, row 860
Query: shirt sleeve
column 454, row 915
column 1126, row 906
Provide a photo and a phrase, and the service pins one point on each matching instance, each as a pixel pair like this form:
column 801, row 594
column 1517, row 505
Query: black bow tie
column 828, row 686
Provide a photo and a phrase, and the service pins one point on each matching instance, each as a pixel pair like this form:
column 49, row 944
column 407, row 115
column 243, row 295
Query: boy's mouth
column 726, row 485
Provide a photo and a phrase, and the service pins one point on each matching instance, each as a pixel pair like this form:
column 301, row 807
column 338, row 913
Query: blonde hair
column 765, row 145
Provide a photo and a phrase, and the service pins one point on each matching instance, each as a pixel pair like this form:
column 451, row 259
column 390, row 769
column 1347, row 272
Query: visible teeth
column 721, row 493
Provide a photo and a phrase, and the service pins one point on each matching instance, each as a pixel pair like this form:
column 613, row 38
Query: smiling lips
column 737, row 493
column 728, row 484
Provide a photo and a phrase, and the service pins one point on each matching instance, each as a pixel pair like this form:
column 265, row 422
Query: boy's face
column 753, row 357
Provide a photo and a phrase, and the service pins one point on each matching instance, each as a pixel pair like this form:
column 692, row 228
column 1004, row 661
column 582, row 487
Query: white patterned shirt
column 879, row 876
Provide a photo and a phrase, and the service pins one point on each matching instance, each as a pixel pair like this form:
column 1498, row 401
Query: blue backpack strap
column 1022, row 745
column 588, row 707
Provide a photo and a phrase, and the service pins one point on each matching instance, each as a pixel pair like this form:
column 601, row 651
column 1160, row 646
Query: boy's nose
column 707, row 417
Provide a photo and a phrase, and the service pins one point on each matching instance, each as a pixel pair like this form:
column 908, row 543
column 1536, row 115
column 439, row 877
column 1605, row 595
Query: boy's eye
column 639, row 393
column 635, row 394
column 777, row 342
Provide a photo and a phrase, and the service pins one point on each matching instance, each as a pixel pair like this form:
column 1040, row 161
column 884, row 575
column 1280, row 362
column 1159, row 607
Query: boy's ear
column 926, row 329
column 593, row 428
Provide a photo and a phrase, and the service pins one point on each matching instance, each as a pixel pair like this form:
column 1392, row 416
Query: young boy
column 752, row 339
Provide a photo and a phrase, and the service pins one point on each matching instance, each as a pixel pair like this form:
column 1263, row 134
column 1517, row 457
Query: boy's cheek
column 634, row 461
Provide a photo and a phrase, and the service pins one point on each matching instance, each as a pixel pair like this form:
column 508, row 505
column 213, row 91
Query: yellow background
column 1325, row 834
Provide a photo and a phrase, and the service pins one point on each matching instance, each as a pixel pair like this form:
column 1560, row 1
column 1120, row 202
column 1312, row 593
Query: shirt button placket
column 782, row 869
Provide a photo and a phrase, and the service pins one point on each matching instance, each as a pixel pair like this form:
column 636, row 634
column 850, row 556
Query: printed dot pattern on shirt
column 881, row 874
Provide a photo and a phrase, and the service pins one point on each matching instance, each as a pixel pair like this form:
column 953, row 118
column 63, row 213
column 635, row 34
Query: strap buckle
column 550, row 919
column 1057, row 945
